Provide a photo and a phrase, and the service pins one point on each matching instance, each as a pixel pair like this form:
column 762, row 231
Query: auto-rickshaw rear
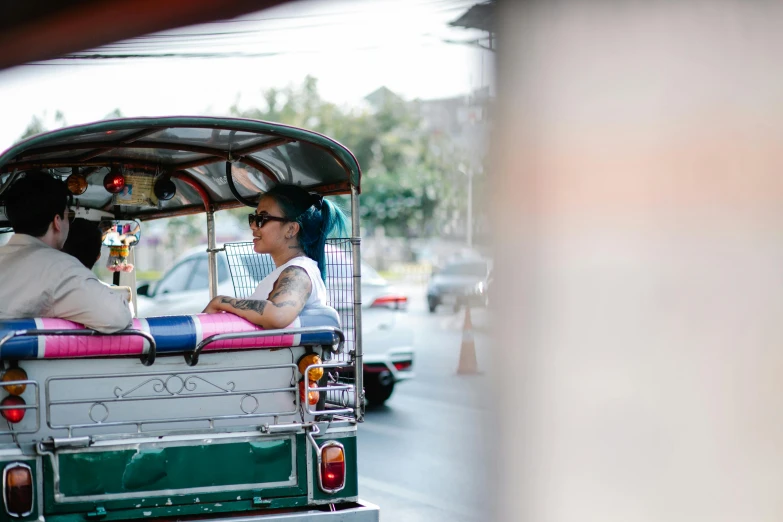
column 184, row 416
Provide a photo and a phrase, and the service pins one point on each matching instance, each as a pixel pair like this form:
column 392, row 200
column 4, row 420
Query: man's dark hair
column 32, row 202
column 84, row 241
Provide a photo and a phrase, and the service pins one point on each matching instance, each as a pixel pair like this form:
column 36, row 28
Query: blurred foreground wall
column 638, row 196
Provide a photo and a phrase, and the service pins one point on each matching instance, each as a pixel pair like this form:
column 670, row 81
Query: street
column 422, row 456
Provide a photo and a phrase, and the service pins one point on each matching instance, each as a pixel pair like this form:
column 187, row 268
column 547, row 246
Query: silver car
column 386, row 337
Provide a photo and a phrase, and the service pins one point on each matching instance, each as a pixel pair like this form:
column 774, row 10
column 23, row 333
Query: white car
column 386, row 339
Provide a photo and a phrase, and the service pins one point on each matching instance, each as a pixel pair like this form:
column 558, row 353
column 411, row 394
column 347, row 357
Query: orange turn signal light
column 15, row 374
column 77, row 184
column 312, row 395
column 308, row 359
column 18, row 489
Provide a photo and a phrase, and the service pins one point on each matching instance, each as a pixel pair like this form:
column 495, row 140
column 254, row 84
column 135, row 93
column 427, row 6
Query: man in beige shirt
column 36, row 278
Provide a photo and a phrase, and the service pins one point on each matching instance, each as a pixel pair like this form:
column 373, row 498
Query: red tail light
column 14, row 415
column 18, row 489
column 390, row 301
column 403, row 365
column 332, row 467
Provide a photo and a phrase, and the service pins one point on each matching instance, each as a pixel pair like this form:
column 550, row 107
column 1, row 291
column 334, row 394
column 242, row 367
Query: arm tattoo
column 284, row 303
column 246, row 304
column 293, row 283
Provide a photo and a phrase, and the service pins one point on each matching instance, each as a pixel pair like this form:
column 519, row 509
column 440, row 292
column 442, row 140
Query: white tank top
column 317, row 297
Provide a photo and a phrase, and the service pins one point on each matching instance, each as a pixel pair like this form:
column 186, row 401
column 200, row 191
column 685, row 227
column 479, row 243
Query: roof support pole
column 357, row 306
column 213, row 283
column 210, row 211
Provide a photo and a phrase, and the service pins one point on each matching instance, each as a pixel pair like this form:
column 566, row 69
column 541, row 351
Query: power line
column 239, row 45
column 218, row 35
column 103, row 59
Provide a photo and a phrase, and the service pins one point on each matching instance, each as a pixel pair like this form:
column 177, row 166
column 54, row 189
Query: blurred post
column 637, row 200
column 469, row 173
column 467, row 170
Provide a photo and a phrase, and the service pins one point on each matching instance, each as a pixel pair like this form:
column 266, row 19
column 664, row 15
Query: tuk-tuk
column 185, row 417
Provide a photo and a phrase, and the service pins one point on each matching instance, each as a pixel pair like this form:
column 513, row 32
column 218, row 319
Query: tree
column 408, row 188
column 411, row 185
column 37, row 124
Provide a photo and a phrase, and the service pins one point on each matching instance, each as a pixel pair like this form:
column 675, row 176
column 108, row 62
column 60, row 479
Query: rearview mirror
column 143, row 290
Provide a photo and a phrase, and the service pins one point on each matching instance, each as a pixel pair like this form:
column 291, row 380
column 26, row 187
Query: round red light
column 114, row 182
column 13, row 415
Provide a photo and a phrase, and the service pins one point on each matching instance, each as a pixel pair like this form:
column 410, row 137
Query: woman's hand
column 214, row 305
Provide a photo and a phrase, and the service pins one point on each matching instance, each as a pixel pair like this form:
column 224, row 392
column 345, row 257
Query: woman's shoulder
column 301, row 261
column 307, row 264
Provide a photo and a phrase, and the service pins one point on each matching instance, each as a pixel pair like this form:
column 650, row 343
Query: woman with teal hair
column 292, row 226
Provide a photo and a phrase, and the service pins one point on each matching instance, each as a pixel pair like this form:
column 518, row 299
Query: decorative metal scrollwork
column 173, row 385
column 132, row 401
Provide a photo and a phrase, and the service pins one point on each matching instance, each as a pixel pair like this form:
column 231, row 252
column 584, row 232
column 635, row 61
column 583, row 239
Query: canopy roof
column 194, row 151
column 44, row 29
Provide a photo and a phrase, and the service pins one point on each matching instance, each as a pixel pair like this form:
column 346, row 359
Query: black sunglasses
column 261, row 219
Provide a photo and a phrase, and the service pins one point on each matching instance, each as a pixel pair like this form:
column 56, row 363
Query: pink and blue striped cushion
column 176, row 333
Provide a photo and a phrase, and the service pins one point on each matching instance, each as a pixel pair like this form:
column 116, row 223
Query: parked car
column 460, row 282
column 387, row 339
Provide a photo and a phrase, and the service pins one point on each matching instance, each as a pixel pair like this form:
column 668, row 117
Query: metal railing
column 102, row 410
column 191, row 358
column 343, row 288
column 12, row 430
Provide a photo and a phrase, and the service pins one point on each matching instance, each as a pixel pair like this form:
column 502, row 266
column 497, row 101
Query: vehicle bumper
column 359, row 511
column 378, row 363
column 462, row 299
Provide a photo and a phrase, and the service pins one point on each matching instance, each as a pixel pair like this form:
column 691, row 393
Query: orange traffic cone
column 467, row 353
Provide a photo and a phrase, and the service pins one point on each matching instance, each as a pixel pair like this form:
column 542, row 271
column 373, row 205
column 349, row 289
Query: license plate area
column 182, row 471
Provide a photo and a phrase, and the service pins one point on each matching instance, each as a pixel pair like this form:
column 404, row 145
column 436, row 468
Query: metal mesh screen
column 248, row 269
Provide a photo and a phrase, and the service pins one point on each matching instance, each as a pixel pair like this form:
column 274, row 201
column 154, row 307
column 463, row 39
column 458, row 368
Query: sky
column 351, row 46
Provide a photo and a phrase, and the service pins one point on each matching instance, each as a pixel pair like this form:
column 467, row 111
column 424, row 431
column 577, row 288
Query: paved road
column 421, row 455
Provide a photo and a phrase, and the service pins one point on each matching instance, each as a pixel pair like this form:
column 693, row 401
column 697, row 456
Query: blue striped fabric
column 323, row 317
column 321, row 338
column 173, row 332
column 19, row 347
